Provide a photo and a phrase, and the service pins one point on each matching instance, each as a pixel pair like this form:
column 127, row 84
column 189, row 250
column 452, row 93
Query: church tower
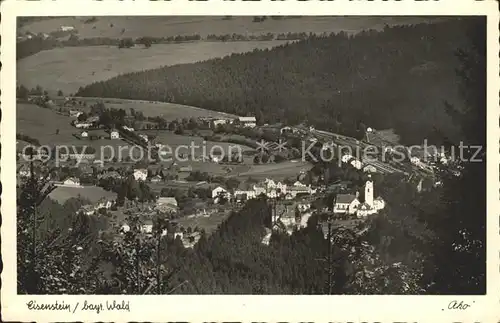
column 369, row 191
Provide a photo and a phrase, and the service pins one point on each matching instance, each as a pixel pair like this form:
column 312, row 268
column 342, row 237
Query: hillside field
column 42, row 123
column 164, row 26
column 168, row 111
column 69, row 68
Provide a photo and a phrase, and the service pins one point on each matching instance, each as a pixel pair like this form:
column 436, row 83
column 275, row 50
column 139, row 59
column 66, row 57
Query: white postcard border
column 251, row 308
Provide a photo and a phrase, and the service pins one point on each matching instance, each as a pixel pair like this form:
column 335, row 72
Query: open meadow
column 168, row 111
column 158, row 26
column 41, row 124
column 69, row 68
column 278, row 171
column 209, row 223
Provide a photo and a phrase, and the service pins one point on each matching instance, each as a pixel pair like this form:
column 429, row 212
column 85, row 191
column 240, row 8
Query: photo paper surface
column 220, row 161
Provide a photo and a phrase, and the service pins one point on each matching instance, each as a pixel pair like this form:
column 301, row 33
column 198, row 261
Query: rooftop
column 249, row 119
column 345, row 198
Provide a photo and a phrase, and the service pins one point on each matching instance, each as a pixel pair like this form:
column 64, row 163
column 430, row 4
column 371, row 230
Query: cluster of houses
column 163, row 205
column 269, row 188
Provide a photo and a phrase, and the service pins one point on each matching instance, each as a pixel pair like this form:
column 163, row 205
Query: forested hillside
column 397, row 78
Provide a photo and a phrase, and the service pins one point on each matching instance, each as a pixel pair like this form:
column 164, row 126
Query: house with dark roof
column 346, row 204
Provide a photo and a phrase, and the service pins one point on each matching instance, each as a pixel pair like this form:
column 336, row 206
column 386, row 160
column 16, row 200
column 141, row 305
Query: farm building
column 84, row 134
column 249, row 122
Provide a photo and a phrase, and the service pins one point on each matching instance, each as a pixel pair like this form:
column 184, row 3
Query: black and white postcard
column 220, row 161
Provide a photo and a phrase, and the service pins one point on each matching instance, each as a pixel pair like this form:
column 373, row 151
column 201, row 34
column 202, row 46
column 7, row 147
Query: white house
column 114, row 134
column 219, row 192
column 104, row 204
column 217, row 122
column 140, row 174
column 346, row 158
column 124, row 228
column 84, row 134
column 286, row 129
column 249, row 122
column 356, row 164
column 147, row 226
column 302, row 207
column 128, row 128
column 415, row 160
column 298, row 183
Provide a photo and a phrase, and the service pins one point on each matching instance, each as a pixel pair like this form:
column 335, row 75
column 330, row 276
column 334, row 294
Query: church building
column 350, row 204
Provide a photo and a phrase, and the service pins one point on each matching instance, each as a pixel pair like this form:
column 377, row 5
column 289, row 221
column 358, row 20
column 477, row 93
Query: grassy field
column 69, row 68
column 169, row 111
column 201, row 147
column 209, row 224
column 277, row 171
column 203, row 25
column 41, row 124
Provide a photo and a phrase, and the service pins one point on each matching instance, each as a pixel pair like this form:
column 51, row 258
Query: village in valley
column 199, row 192
column 280, row 155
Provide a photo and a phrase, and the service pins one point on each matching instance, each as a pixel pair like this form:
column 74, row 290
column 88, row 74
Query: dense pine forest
column 397, row 78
